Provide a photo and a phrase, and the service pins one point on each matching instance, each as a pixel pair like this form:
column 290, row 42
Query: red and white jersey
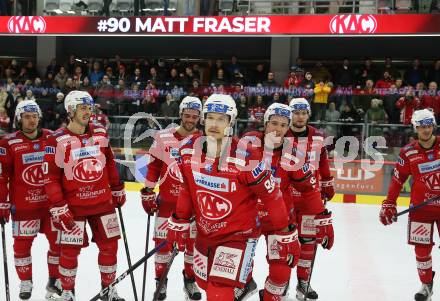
column 100, row 119
column 21, row 169
column 162, row 163
column 281, row 163
column 222, row 192
column 424, row 167
column 81, row 170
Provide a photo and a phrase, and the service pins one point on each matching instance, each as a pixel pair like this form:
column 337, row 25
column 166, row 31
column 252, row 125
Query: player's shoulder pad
column 10, row 136
column 59, row 135
column 46, row 132
column 409, row 150
column 13, row 138
column 315, row 134
column 187, row 148
column 97, row 129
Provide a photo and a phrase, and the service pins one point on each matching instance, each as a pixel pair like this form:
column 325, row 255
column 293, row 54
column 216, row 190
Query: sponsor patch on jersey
column 187, row 151
column 111, row 225
column 25, row 228
column 236, row 161
column 14, row 141
column 420, row 233
column 36, row 157
column 75, row 236
column 99, row 130
column 306, row 167
column 400, row 161
column 160, row 227
column 429, row 166
column 211, row 182
column 430, row 156
column 86, row 152
column 63, row 137
column 257, row 171
column 174, row 153
column 200, row 265
column 2, row 151
column 411, row 152
column 49, row 150
column 226, row 263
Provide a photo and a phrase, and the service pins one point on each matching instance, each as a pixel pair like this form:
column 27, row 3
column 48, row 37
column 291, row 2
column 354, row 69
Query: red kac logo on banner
column 353, row 24
column 27, row 24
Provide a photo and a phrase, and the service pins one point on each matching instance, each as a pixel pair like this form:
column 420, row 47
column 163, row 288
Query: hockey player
column 21, row 177
column 83, row 186
column 277, row 120
column 311, row 211
column 220, row 189
column 419, row 159
column 163, row 168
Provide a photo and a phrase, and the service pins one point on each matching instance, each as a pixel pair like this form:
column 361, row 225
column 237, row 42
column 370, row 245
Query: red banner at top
column 355, row 24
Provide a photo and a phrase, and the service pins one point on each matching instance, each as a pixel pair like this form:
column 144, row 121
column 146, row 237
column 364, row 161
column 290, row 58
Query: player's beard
column 427, row 139
column 188, row 126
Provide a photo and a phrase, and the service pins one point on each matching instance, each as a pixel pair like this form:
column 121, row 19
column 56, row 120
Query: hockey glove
column 118, row 195
column 5, row 211
column 324, row 229
column 327, row 189
column 388, row 213
column 149, row 200
column 62, row 218
column 178, row 232
column 284, row 246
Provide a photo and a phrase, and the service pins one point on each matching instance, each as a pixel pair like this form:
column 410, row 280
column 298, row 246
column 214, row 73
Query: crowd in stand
column 376, row 93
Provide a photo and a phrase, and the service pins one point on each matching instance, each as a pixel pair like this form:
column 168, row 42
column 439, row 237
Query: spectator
column 10, row 85
column 29, row 95
column 71, row 64
column 322, row 91
column 23, row 75
column 407, row 105
column 104, row 94
column 214, row 69
column 332, row 115
column 320, row 72
column 367, row 71
column 99, row 117
column 5, row 97
column 70, row 86
column 110, row 75
column 137, row 78
column 53, row 67
column 31, row 70
column 220, row 78
column 195, row 89
column 48, row 81
column 188, row 77
column 349, row 115
column 434, row 73
column 293, row 80
column 414, row 74
column 368, row 88
column 154, row 76
column 270, row 81
column 78, row 76
column 376, row 115
column 86, row 86
column 60, row 114
column 431, row 100
column 61, row 77
column 385, row 82
column 174, row 79
column 259, row 75
column 122, row 73
column 388, row 66
column 256, row 112
column 4, row 122
column 234, row 67
column 149, row 105
column 344, row 77
column 308, row 84
column 96, row 75
column 169, row 108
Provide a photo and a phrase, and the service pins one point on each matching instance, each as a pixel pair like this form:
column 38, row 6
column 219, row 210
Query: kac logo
column 27, row 24
column 353, row 24
column 89, row 170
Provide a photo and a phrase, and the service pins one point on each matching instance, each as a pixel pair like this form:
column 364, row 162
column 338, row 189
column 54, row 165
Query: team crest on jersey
column 36, row 146
column 208, row 167
column 85, row 140
column 430, row 156
column 89, row 170
column 2, row 151
column 213, row 206
column 33, row 175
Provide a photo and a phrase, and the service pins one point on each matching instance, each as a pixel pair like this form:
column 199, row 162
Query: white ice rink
column 368, row 261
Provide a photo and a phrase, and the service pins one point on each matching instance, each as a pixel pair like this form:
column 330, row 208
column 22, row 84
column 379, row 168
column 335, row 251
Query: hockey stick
column 5, row 262
column 147, row 240
column 165, row 274
column 412, row 208
column 124, row 235
column 105, row 290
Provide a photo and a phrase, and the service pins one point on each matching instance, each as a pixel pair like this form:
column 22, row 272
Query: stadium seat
column 403, row 6
column 123, row 6
column 226, row 6
column 66, row 5
column 95, row 6
column 153, row 6
column 50, row 6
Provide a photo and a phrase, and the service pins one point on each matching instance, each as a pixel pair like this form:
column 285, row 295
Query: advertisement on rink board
column 350, row 24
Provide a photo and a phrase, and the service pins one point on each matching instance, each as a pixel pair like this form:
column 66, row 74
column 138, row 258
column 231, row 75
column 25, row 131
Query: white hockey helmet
column 75, row 98
column 27, row 106
column 223, row 104
column 278, row 109
column 298, row 104
column 423, row 117
column 190, row 102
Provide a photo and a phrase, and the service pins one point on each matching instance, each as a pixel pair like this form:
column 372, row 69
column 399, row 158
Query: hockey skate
column 249, row 289
column 25, row 290
column 53, row 289
column 163, row 291
column 112, row 295
column 190, row 289
column 302, row 293
column 425, row 293
column 66, row 296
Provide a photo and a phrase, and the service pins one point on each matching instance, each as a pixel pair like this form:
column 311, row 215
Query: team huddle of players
column 218, row 194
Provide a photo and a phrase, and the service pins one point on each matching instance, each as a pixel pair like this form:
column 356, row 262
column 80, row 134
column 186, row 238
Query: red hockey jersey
column 81, row 170
column 222, row 192
column 21, row 162
column 424, row 167
column 162, row 164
